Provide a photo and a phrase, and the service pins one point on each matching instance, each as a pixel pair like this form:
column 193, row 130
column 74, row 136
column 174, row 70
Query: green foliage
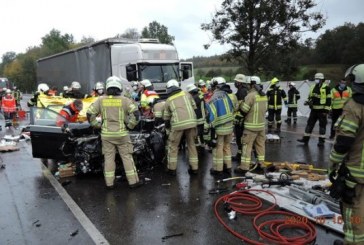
column 54, row 42
column 347, row 41
column 7, row 58
column 260, row 33
column 156, row 30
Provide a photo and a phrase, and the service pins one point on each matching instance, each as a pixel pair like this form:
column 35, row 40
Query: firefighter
column 179, row 116
column 69, row 113
column 65, row 91
column 75, row 91
column 202, row 86
column 253, row 109
column 158, row 111
column 18, row 96
column 319, row 100
column 241, row 83
column 348, row 155
column 221, row 116
column 98, row 89
column 118, row 115
column 200, row 113
column 275, row 95
column 146, row 98
column 8, row 106
column 339, row 95
column 293, row 97
column 41, row 89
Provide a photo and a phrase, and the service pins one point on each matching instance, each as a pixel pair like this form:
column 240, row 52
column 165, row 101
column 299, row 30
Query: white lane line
column 90, row 228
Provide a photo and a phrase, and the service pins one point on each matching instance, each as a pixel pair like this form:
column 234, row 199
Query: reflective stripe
column 109, row 174
column 336, row 157
column 348, row 126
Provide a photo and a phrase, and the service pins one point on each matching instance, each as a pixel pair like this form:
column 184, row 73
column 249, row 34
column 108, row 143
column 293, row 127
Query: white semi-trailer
column 129, row 60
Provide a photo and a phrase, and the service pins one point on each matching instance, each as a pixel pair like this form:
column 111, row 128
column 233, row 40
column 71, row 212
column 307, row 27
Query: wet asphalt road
column 165, row 206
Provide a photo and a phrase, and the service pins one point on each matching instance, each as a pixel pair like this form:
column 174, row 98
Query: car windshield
column 159, row 73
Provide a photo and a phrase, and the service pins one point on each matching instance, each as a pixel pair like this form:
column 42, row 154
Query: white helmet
column 113, row 82
column 291, row 84
column 75, row 85
column 43, row 87
column 240, row 78
column 319, row 76
column 255, row 79
column 172, row 83
column 65, row 88
column 8, row 91
column 201, row 83
column 99, row 85
column 191, row 87
column 355, row 74
column 146, row 83
column 218, row 80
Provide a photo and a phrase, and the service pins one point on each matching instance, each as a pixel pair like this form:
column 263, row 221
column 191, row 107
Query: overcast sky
column 24, row 22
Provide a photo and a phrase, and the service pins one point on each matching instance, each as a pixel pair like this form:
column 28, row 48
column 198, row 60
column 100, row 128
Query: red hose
column 276, row 226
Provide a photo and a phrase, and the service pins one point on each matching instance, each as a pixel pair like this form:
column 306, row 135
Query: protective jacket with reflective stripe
column 339, row 97
column 221, row 112
column 116, row 112
column 180, row 111
column 320, row 97
column 293, row 97
column 350, row 125
column 254, row 107
column 275, row 95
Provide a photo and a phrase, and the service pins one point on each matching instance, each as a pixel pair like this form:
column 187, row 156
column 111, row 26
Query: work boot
column 227, row 170
column 288, row 121
column 137, row 184
column 192, row 171
column 294, row 121
column 215, row 172
column 304, row 140
column 321, row 142
column 257, row 169
column 171, row 172
column 237, row 157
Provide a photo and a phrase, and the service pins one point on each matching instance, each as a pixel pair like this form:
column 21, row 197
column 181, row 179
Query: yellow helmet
column 274, row 81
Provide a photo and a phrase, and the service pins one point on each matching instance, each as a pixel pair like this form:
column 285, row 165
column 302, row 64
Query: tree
column 257, row 29
column 130, row 33
column 54, row 42
column 7, row 58
column 156, row 30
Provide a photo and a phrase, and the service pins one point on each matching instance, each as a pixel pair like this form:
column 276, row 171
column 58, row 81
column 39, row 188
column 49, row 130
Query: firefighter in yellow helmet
column 118, row 114
column 275, row 95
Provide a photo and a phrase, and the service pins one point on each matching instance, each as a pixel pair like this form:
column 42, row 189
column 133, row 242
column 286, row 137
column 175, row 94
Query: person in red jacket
column 8, row 106
column 69, row 113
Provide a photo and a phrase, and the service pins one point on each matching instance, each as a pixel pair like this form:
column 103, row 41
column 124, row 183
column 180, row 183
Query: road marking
column 90, row 228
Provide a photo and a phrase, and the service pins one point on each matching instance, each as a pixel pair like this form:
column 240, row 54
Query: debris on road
column 169, row 236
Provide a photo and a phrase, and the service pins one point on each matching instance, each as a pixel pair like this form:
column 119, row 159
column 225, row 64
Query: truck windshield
column 159, row 73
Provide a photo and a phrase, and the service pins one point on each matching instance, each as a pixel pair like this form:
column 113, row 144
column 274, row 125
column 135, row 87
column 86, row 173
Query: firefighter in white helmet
column 114, row 133
column 41, row 89
column 179, row 116
column 221, row 116
column 347, row 156
column 293, row 97
column 319, row 100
